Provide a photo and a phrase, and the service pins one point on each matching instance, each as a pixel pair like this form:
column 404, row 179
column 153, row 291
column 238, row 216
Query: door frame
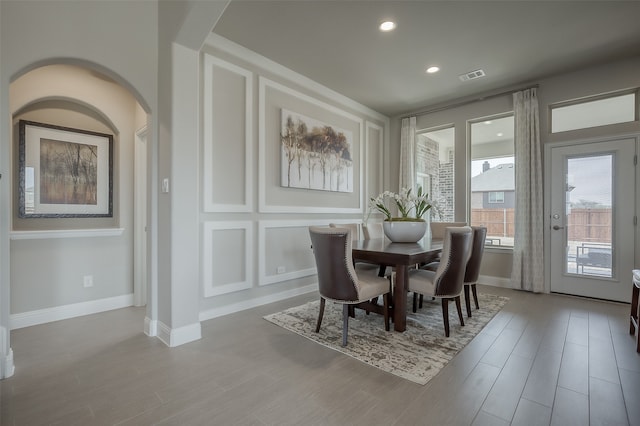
column 547, row 197
column 140, row 282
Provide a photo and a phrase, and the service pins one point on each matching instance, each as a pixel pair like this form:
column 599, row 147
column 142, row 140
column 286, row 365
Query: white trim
column 263, row 83
column 7, row 368
column 150, row 327
column 210, row 204
column 208, row 282
column 263, row 278
column 253, row 303
column 6, row 355
column 179, row 336
column 57, row 313
column 259, row 61
column 66, row 233
column 380, row 165
column 494, row 281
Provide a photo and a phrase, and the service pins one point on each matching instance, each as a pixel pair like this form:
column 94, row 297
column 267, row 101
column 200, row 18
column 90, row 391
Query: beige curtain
column 407, row 153
column 528, row 249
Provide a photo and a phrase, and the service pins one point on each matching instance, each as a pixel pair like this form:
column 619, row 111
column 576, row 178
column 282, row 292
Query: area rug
column 417, row 355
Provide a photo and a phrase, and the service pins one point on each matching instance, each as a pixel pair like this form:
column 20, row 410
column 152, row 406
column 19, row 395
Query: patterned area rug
column 418, row 354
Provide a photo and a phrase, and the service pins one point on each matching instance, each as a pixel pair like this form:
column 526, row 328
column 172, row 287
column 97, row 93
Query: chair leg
column 382, row 270
column 421, row 299
column 385, row 298
column 459, row 308
column 320, row 314
column 345, row 323
column 445, row 316
column 415, row 302
column 467, row 301
column 475, row 295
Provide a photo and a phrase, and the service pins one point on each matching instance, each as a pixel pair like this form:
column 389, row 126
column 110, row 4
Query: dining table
column 401, row 256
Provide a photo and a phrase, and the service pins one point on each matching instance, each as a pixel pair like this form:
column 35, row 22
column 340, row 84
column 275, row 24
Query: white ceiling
column 338, row 44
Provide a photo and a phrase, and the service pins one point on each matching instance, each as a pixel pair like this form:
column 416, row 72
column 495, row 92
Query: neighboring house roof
column 498, row 178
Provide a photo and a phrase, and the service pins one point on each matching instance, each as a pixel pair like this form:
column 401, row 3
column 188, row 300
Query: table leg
column 400, row 298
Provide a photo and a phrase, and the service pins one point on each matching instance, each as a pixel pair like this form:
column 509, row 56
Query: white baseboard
column 150, row 327
column 6, row 365
column 179, row 336
column 57, row 313
column 253, row 303
column 494, row 281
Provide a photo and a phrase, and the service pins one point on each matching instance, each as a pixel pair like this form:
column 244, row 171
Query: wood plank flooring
column 543, row 360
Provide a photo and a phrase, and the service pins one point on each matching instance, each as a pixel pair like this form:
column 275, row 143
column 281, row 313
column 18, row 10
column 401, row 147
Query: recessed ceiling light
column 387, row 26
column 487, row 122
column 500, row 134
column 433, row 69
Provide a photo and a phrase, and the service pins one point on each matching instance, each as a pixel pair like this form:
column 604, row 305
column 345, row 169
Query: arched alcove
column 63, row 267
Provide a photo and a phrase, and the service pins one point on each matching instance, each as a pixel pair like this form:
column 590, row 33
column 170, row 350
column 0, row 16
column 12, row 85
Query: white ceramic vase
column 404, row 231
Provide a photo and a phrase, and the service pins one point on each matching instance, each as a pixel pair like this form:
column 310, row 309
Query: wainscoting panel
column 228, row 137
column 374, row 165
column 227, row 257
column 285, row 250
column 273, row 97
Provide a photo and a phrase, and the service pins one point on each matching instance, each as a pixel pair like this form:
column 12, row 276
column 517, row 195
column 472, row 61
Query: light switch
column 165, row 185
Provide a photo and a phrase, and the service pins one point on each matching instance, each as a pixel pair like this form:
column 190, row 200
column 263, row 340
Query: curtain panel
column 528, row 249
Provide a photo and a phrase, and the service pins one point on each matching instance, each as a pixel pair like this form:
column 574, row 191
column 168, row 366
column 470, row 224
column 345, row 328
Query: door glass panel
column 589, row 215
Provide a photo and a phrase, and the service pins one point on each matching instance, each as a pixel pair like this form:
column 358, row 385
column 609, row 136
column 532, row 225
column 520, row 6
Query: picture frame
column 64, row 172
column 314, row 154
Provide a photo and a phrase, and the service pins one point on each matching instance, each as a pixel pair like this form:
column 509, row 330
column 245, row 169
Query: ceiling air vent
column 472, row 75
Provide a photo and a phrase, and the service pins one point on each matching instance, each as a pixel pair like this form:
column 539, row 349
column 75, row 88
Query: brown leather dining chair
column 473, row 267
column 340, row 281
column 446, row 281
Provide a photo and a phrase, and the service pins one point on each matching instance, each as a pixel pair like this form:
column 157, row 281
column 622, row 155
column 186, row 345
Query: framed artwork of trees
column 64, row 172
column 315, row 155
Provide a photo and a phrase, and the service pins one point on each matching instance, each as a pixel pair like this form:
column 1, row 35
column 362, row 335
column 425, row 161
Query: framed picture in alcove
column 64, row 172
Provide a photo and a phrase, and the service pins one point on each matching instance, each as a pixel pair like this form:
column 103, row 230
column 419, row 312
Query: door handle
column 556, row 227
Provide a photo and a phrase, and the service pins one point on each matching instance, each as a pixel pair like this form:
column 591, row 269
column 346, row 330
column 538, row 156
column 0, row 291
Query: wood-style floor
column 544, row 359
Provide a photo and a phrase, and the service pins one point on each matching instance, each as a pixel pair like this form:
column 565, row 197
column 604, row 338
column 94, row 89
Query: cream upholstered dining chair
column 437, row 228
column 473, row 267
column 447, row 280
column 340, row 281
column 354, row 227
column 372, row 230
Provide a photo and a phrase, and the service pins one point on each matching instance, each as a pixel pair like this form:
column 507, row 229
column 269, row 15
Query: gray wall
column 251, row 225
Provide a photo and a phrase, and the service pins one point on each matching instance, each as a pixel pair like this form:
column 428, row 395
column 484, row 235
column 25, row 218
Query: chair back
column 354, row 227
column 437, row 228
column 456, row 249
column 337, row 279
column 477, row 249
column 372, row 231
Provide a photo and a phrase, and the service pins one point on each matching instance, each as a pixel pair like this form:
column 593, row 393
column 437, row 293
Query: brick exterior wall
column 427, row 162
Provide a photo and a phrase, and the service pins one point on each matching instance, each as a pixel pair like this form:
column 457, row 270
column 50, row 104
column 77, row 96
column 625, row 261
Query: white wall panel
column 228, row 135
column 227, row 257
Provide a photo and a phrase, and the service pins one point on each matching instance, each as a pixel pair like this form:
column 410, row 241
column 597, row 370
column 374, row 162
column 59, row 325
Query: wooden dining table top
column 401, row 256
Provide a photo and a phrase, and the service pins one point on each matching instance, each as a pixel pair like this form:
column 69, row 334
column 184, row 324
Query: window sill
column 66, row 233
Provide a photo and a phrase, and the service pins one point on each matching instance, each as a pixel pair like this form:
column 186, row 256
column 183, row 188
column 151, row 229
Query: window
column 496, row 197
column 492, row 197
column 434, row 170
column 593, row 112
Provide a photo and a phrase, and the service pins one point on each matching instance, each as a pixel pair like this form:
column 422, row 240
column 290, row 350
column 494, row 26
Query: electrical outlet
column 280, row 270
column 87, row 281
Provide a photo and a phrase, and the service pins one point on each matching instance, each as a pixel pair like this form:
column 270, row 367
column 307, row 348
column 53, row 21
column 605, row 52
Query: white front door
column 592, row 218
